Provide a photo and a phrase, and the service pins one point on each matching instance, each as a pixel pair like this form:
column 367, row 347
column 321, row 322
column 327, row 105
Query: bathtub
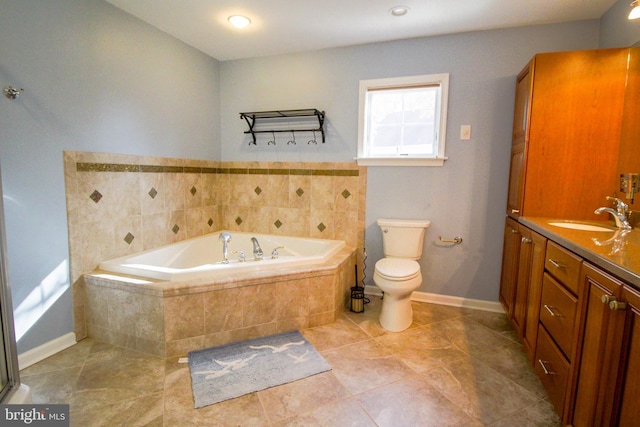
column 201, row 257
column 181, row 297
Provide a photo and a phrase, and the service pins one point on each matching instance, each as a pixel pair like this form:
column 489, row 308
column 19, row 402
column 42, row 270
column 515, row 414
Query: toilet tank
column 403, row 238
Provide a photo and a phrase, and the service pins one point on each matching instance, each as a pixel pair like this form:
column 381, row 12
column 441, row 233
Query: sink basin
column 580, row 226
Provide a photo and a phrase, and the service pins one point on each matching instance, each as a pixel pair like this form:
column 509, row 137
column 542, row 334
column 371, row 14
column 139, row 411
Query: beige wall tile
column 184, row 317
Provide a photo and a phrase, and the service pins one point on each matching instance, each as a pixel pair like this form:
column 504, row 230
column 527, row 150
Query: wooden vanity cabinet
column 608, row 382
column 567, row 118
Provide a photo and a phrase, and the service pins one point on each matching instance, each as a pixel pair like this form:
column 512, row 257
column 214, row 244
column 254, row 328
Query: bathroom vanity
column 570, row 279
column 576, row 306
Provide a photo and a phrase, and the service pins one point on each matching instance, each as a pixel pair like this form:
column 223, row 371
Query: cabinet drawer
column 553, row 369
column 563, row 265
column 558, row 312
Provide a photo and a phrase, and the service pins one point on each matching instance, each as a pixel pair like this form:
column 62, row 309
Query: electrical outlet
column 465, row 132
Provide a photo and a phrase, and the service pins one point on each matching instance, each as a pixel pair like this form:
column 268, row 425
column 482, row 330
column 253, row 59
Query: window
column 403, row 121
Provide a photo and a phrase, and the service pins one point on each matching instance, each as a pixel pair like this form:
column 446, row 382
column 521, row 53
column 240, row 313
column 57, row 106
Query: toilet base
column 396, row 314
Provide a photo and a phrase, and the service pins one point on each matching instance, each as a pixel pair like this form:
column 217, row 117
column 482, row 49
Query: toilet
column 398, row 273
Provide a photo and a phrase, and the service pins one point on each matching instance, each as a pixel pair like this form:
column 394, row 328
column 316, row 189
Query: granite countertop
column 616, row 251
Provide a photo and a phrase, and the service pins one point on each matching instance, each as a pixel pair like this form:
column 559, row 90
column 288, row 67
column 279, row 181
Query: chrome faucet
column 619, row 213
column 225, row 238
column 257, row 250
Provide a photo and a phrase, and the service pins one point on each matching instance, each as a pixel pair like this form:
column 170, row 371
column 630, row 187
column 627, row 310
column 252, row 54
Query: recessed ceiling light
column 239, row 21
column 399, row 10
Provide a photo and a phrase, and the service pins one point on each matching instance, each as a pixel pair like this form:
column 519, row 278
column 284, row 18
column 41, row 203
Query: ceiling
column 287, row 26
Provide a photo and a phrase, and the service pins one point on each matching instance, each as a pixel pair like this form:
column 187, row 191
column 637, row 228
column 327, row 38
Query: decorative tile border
column 115, row 167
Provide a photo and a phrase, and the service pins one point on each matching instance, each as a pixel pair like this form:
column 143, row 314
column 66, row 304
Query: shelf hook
column 292, row 141
column 273, row 141
column 314, row 139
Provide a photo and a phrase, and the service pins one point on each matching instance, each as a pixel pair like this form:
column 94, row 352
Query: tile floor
column 453, row 367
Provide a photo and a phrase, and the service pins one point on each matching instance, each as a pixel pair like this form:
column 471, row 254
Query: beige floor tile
column 540, row 414
column 365, row 365
column 337, row 334
column 339, row 413
column 412, row 402
column 512, row 362
column 52, row 386
column 301, row 396
column 421, row 348
column 480, row 391
column 142, row 411
column 469, row 335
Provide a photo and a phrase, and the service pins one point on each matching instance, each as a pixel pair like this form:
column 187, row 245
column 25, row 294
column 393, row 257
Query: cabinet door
column 574, row 132
column 523, row 279
column 522, row 107
column 534, row 294
column 510, row 255
column 599, row 331
column 626, row 410
column 516, row 180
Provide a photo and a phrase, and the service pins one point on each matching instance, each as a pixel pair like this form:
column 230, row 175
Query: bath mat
column 233, row 370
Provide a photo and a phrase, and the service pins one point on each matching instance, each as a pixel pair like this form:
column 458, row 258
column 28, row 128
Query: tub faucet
column 257, row 250
column 619, row 213
column 225, row 238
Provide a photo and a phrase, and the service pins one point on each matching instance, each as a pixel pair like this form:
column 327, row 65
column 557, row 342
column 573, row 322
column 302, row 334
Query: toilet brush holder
column 357, row 299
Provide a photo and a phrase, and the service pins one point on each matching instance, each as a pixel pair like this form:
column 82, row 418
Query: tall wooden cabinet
column 567, row 121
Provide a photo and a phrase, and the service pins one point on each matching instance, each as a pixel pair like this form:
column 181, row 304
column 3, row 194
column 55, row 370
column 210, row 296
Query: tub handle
column 274, row 253
column 241, row 256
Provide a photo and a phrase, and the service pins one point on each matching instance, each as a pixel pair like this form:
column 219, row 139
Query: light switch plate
column 465, row 132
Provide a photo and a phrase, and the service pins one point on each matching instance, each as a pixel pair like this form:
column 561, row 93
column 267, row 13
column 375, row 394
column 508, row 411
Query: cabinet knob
column 526, row 240
column 515, row 211
column 514, row 231
column 617, row 305
column 606, row 299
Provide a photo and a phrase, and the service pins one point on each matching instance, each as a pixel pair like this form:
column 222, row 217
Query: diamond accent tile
column 299, row 192
column 153, row 193
column 95, row 196
column 238, row 220
column 193, row 191
column 346, row 193
column 321, row 227
column 258, row 190
column 129, row 238
column 210, row 222
column 175, row 229
column 278, row 224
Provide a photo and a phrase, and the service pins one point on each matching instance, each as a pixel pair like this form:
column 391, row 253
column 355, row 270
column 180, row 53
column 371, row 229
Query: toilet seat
column 397, row 269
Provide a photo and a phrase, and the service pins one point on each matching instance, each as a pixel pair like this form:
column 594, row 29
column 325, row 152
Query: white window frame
column 364, row 159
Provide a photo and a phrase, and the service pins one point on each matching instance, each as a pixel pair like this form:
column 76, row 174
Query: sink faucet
column 257, row 250
column 619, row 213
column 225, row 238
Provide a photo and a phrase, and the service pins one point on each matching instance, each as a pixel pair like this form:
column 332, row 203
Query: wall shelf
column 271, row 118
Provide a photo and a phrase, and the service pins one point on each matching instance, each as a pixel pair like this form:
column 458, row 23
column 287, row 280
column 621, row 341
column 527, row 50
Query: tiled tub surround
column 121, row 204
column 172, row 318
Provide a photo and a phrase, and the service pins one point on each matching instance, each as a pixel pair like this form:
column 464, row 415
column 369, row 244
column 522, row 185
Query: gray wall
column 95, row 79
column 466, row 197
column 616, row 30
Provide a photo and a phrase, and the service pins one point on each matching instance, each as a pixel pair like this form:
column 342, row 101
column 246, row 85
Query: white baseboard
column 475, row 304
column 45, row 350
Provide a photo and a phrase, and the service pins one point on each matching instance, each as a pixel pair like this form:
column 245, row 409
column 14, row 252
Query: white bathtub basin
column 202, row 256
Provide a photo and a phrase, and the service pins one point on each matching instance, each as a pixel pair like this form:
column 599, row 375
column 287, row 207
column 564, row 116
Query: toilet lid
column 397, row 268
